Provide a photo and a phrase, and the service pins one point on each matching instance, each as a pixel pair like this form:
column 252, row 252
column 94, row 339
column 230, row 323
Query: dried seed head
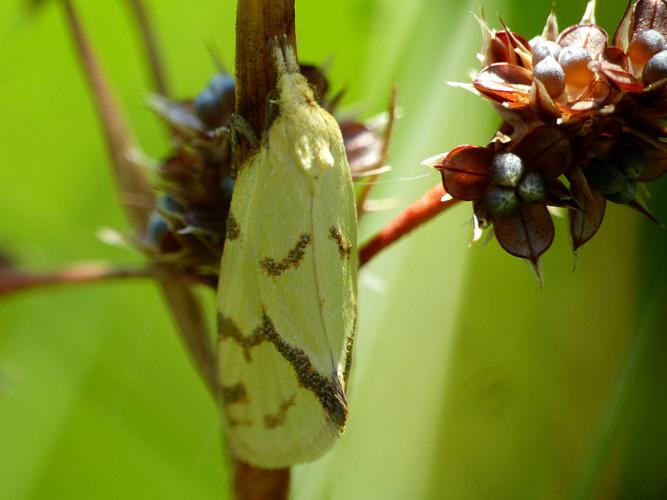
column 626, row 195
column 655, row 68
column 501, row 201
column 543, row 48
column 644, row 45
column 582, row 126
column 532, row 188
column 575, row 62
column 551, row 74
column 506, row 169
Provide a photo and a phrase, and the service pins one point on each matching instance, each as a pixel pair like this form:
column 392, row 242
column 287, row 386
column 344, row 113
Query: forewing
column 282, row 396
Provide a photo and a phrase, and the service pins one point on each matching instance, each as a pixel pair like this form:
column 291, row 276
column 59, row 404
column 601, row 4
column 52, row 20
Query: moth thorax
column 294, row 92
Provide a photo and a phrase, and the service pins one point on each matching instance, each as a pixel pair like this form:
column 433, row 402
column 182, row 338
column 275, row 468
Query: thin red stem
column 15, row 280
column 420, row 212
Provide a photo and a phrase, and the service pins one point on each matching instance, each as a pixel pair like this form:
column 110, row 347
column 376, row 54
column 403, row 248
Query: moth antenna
column 290, row 59
column 281, row 66
column 285, row 57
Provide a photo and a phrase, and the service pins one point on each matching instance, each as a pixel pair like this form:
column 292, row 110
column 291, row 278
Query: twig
column 150, row 46
column 16, row 280
column 420, row 212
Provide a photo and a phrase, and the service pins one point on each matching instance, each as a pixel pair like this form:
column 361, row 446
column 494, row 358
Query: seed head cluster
column 584, row 122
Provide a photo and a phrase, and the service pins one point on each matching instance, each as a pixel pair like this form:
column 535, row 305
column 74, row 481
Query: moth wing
column 325, row 285
column 336, row 246
column 284, row 315
column 271, row 421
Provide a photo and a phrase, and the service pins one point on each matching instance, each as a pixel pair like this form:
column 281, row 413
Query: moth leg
column 239, row 126
column 272, row 108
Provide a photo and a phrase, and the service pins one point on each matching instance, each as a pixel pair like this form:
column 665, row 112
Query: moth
column 287, row 290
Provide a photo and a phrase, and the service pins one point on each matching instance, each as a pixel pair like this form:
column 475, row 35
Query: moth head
column 292, row 85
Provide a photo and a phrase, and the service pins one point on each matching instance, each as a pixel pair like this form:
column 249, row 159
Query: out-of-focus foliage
column 470, row 382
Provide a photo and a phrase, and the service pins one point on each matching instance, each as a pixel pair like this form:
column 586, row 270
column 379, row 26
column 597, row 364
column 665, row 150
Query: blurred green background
column 470, row 382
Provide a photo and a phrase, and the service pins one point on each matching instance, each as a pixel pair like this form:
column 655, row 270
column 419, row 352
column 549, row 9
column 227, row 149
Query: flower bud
column 506, row 169
column 532, row 188
column 655, row 68
column 501, row 201
column 575, row 63
column 543, row 48
column 644, row 45
column 551, row 74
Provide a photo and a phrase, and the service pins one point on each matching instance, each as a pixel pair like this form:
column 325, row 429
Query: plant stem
column 251, row 483
column 258, row 22
column 420, row 212
column 15, row 280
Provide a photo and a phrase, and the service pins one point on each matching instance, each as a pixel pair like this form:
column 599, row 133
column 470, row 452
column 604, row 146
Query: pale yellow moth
column 287, row 290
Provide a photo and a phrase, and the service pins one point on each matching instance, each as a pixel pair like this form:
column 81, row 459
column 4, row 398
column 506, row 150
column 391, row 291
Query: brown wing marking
column 328, row 390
